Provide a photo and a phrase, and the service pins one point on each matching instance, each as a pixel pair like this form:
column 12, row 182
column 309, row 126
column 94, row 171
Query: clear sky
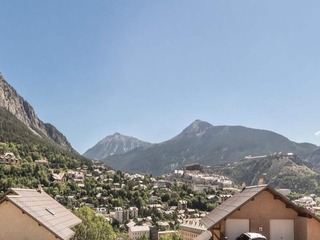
column 149, row 68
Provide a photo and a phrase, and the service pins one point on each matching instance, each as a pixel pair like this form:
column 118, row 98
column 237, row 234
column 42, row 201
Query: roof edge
column 265, row 186
column 6, row 198
column 295, row 207
column 274, row 192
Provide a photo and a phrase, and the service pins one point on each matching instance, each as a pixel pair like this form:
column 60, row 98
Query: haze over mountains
column 210, row 145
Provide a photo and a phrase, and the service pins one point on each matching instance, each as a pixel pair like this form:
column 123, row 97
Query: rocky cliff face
column 278, row 170
column 22, row 110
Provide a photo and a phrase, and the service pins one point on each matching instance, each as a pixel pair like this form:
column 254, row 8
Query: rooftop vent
column 50, row 211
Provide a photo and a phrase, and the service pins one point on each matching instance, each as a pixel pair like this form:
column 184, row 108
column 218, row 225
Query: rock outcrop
column 113, row 145
column 22, row 110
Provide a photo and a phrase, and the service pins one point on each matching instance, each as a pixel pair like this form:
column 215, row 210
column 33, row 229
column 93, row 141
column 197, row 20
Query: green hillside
column 17, row 138
column 280, row 171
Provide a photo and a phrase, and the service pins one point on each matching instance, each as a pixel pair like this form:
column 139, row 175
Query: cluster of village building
column 256, row 209
column 8, row 158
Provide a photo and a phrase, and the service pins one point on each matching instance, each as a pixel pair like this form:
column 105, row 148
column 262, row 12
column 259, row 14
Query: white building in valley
column 136, row 232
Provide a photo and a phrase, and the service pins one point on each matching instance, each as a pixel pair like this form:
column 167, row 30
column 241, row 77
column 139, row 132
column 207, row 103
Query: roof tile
column 45, row 210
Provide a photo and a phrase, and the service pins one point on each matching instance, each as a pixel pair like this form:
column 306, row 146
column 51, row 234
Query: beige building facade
column 265, row 214
column 190, row 229
column 263, row 210
column 17, row 225
column 28, row 214
column 137, row 232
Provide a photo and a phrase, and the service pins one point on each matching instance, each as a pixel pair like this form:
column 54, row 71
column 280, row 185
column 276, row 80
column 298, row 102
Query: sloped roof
column 43, row 209
column 241, row 198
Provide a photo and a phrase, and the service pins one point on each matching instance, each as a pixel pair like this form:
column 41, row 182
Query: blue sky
column 149, row 68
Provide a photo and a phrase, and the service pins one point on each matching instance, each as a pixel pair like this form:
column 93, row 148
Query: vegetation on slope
column 278, row 171
column 209, row 145
column 17, row 138
column 93, row 227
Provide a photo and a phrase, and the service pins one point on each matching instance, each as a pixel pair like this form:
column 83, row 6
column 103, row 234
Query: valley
column 129, row 181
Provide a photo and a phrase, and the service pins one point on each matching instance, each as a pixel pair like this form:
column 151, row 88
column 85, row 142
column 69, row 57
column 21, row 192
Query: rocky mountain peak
column 197, row 128
column 117, row 136
column 22, row 110
column 11, row 101
column 113, row 145
column 209, row 145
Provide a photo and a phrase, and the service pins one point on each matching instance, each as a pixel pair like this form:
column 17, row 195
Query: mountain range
column 209, row 145
column 199, row 142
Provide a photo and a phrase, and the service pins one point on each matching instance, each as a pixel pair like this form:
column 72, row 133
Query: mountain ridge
column 23, row 111
column 278, row 170
column 209, row 145
column 114, row 144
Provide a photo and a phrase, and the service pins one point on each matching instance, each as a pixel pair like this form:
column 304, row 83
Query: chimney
column 261, row 181
column 39, row 190
column 244, row 185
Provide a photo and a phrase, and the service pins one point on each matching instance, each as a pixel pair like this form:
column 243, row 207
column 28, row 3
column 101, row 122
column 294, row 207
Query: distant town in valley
column 207, row 183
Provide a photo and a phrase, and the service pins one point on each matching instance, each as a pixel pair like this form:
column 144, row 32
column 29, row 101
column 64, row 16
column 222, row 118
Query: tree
column 166, row 197
column 175, row 236
column 93, row 227
column 143, row 237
